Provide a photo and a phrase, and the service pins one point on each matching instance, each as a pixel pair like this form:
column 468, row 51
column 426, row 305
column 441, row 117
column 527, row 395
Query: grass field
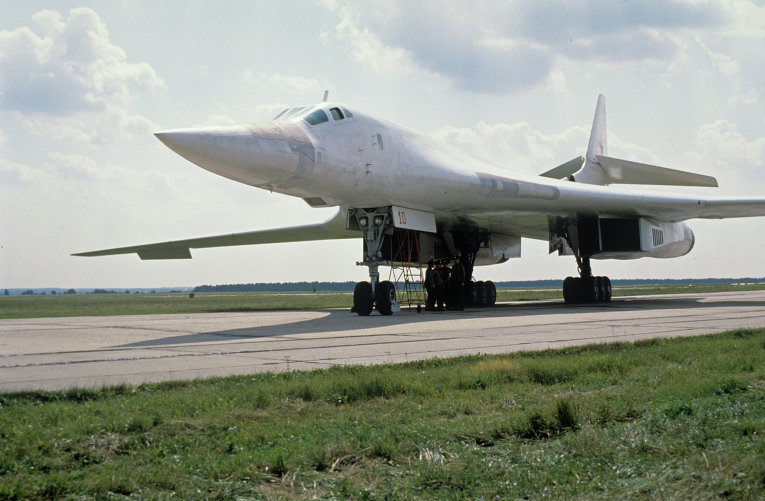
column 659, row 419
column 61, row 305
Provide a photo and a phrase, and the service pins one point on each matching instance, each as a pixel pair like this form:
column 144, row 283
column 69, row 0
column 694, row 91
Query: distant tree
column 6, row 293
column 127, row 291
column 28, row 292
column 71, row 291
column 53, row 293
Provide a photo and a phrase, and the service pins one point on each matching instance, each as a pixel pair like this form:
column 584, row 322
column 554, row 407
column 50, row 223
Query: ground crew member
column 433, row 284
column 443, row 291
column 457, row 284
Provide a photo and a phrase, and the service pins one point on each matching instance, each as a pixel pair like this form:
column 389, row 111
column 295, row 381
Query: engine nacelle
column 625, row 238
column 661, row 240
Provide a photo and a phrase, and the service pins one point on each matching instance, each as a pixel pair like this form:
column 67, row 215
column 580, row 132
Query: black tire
column 480, row 293
column 571, row 290
column 594, row 289
column 385, row 296
column 362, row 299
column 491, row 293
column 607, row 290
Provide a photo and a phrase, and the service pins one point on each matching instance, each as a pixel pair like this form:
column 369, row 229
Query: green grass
column 620, row 291
column 667, row 419
column 64, row 305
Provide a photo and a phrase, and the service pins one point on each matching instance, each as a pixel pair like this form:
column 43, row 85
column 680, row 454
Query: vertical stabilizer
column 591, row 172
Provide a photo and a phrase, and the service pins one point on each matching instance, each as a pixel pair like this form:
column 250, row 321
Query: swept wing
column 333, row 228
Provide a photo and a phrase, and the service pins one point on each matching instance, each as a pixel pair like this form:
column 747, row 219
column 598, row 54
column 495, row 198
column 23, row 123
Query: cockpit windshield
column 316, row 117
column 313, row 115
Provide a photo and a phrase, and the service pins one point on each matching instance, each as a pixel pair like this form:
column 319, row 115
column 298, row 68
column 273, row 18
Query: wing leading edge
column 331, row 229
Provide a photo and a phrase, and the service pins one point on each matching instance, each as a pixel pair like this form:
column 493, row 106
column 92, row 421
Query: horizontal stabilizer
column 620, row 171
column 566, row 169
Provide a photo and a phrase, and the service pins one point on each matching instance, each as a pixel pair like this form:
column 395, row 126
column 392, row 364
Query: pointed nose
column 264, row 155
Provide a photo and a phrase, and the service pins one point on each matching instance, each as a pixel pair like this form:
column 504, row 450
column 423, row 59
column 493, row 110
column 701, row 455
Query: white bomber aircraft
column 387, row 180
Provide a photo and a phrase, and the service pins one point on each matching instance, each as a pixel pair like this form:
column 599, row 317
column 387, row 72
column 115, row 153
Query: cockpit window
column 336, row 113
column 348, row 114
column 316, row 117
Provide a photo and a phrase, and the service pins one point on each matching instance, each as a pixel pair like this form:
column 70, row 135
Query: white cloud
column 218, row 116
column 70, row 67
column 727, row 65
column 746, row 18
column 517, row 146
column 267, row 112
column 288, row 83
column 69, row 82
column 500, row 48
column 86, row 127
column 367, row 46
column 13, row 174
column 69, row 129
column 74, row 167
column 294, row 83
column 520, row 148
column 721, row 149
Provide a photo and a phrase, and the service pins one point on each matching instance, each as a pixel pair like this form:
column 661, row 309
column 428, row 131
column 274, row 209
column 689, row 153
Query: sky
column 84, row 84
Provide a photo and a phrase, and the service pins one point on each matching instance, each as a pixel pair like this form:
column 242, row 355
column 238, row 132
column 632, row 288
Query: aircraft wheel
column 578, row 290
column 594, row 289
column 606, row 291
column 571, row 290
column 385, row 296
column 480, row 293
column 362, row 299
column 491, row 293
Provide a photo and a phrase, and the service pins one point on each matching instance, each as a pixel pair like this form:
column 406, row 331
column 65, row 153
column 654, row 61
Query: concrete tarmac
column 61, row 353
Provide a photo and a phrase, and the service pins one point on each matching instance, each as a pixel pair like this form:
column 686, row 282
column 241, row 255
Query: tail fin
column 591, row 172
column 599, row 168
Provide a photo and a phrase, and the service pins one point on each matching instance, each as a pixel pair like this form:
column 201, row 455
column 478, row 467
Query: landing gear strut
column 475, row 293
column 374, row 225
column 585, row 288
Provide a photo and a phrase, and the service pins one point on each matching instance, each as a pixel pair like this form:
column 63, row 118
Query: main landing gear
column 586, row 288
column 480, row 293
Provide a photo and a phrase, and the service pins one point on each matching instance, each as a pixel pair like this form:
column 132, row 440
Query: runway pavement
column 59, row 353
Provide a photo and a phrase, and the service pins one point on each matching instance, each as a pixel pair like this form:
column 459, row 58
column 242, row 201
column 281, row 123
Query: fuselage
column 363, row 161
column 332, row 155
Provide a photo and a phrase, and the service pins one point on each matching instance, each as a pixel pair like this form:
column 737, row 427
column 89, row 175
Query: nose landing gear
column 374, row 225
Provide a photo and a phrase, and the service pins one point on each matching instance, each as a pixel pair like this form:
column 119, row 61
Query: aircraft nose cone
column 260, row 155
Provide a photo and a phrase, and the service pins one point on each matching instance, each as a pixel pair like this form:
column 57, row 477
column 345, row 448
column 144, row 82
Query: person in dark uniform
column 433, row 284
column 457, row 284
column 443, row 291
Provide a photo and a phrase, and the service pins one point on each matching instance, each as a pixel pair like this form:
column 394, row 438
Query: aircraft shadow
column 344, row 321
